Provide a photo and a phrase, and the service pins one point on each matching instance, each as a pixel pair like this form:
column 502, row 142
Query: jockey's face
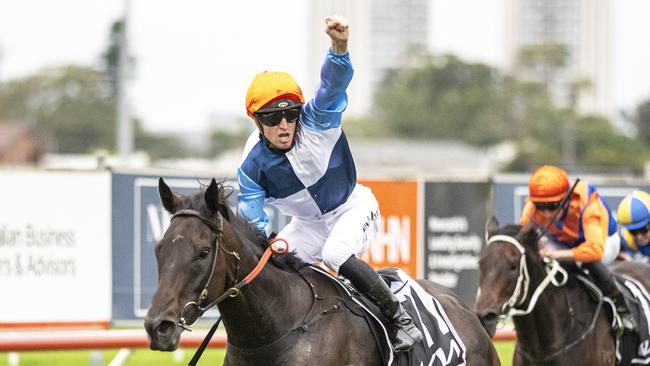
column 280, row 136
column 641, row 236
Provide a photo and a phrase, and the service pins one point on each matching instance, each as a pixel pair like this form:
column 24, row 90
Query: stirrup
column 406, row 333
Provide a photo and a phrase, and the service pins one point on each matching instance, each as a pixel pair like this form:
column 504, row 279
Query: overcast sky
column 195, row 58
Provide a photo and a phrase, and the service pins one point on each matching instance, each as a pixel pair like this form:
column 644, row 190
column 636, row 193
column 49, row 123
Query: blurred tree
column 70, row 108
column 641, row 121
column 222, row 141
column 159, row 145
column 111, row 56
column 598, row 144
column 541, row 61
column 228, row 133
column 444, row 98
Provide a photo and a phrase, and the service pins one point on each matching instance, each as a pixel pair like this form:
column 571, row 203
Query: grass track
column 145, row 357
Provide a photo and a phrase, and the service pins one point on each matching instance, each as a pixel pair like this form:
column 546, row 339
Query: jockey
column 584, row 230
column 634, row 217
column 299, row 161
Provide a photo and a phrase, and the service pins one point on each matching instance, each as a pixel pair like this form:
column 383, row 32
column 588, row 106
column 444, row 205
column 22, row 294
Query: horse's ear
column 212, row 196
column 169, row 200
column 525, row 233
column 491, row 226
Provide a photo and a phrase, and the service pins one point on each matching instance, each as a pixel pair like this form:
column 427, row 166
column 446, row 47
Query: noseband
column 217, row 228
column 520, row 293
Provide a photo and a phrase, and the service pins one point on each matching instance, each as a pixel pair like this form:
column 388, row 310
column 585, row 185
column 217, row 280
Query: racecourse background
column 89, row 236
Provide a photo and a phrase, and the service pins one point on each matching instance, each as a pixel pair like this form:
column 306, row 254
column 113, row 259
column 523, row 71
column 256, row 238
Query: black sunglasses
column 274, row 118
column 641, row 230
column 548, row 206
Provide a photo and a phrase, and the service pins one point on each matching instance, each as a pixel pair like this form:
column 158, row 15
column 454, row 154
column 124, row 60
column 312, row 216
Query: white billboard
column 55, row 248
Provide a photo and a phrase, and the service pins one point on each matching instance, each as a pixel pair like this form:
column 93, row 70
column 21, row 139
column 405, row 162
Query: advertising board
column 55, row 249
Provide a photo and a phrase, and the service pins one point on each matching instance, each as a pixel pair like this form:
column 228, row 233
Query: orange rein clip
column 271, row 249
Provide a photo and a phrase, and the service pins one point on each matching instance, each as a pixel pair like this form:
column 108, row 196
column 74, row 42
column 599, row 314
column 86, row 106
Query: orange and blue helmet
column 548, row 184
column 634, row 210
column 268, row 87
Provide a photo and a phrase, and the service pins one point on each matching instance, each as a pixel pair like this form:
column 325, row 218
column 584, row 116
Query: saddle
column 632, row 347
column 441, row 345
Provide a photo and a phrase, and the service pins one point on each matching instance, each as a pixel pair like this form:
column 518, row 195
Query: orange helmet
column 268, row 87
column 548, row 184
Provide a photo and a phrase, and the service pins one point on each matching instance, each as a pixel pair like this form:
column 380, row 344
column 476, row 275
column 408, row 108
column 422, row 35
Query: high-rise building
column 583, row 28
column 384, row 34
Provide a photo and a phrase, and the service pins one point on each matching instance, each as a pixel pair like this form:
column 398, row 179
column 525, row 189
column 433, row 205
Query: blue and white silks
column 317, row 174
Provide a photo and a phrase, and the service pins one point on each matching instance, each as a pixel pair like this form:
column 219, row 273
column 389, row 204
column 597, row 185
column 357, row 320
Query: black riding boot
column 368, row 282
column 603, row 278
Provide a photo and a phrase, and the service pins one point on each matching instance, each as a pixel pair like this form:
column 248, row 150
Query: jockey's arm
column 250, row 201
column 325, row 110
column 594, row 229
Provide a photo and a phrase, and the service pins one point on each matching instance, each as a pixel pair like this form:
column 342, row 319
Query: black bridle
column 217, row 228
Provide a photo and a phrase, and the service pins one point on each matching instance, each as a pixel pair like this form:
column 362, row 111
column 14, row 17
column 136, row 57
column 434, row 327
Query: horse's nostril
column 489, row 317
column 165, row 328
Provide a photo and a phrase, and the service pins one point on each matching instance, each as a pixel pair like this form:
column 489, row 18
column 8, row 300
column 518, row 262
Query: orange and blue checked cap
column 634, row 210
column 548, row 184
column 268, row 87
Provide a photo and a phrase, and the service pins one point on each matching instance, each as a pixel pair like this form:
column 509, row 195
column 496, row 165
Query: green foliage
column 642, row 121
column 444, row 98
column 69, row 108
column 158, row 145
column 224, row 140
column 598, row 144
column 553, row 55
column 364, row 127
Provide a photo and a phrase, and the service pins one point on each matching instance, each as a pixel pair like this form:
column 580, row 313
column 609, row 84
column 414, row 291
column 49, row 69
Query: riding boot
column 368, row 282
column 605, row 281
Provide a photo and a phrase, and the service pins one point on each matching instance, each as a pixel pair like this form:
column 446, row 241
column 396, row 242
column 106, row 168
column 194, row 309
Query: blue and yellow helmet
column 634, row 210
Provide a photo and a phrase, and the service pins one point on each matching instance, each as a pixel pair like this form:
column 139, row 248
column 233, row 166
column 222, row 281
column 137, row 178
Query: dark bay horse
column 288, row 315
column 557, row 321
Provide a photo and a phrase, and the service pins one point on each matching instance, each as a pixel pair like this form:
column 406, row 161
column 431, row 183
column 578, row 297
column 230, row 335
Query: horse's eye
column 204, row 252
column 513, row 267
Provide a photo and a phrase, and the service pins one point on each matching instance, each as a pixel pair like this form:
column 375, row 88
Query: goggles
column 641, row 230
column 274, row 118
column 546, row 206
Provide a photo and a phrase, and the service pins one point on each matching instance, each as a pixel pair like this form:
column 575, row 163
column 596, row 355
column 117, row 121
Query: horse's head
column 503, row 277
column 187, row 256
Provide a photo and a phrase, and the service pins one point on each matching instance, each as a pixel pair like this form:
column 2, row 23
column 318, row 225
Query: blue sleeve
column 250, row 201
column 325, row 110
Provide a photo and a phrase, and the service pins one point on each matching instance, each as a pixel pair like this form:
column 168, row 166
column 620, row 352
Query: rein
column 520, row 293
column 281, row 248
column 552, row 267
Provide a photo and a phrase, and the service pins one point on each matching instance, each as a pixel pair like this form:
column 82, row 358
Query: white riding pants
column 338, row 234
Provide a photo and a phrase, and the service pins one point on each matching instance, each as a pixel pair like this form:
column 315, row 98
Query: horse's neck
column 271, row 305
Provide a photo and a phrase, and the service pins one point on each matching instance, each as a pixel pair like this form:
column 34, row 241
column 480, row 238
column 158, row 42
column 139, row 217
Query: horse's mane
column 531, row 239
column 245, row 228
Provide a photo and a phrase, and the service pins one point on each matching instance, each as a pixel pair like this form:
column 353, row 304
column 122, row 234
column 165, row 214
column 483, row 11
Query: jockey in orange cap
column 583, row 230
